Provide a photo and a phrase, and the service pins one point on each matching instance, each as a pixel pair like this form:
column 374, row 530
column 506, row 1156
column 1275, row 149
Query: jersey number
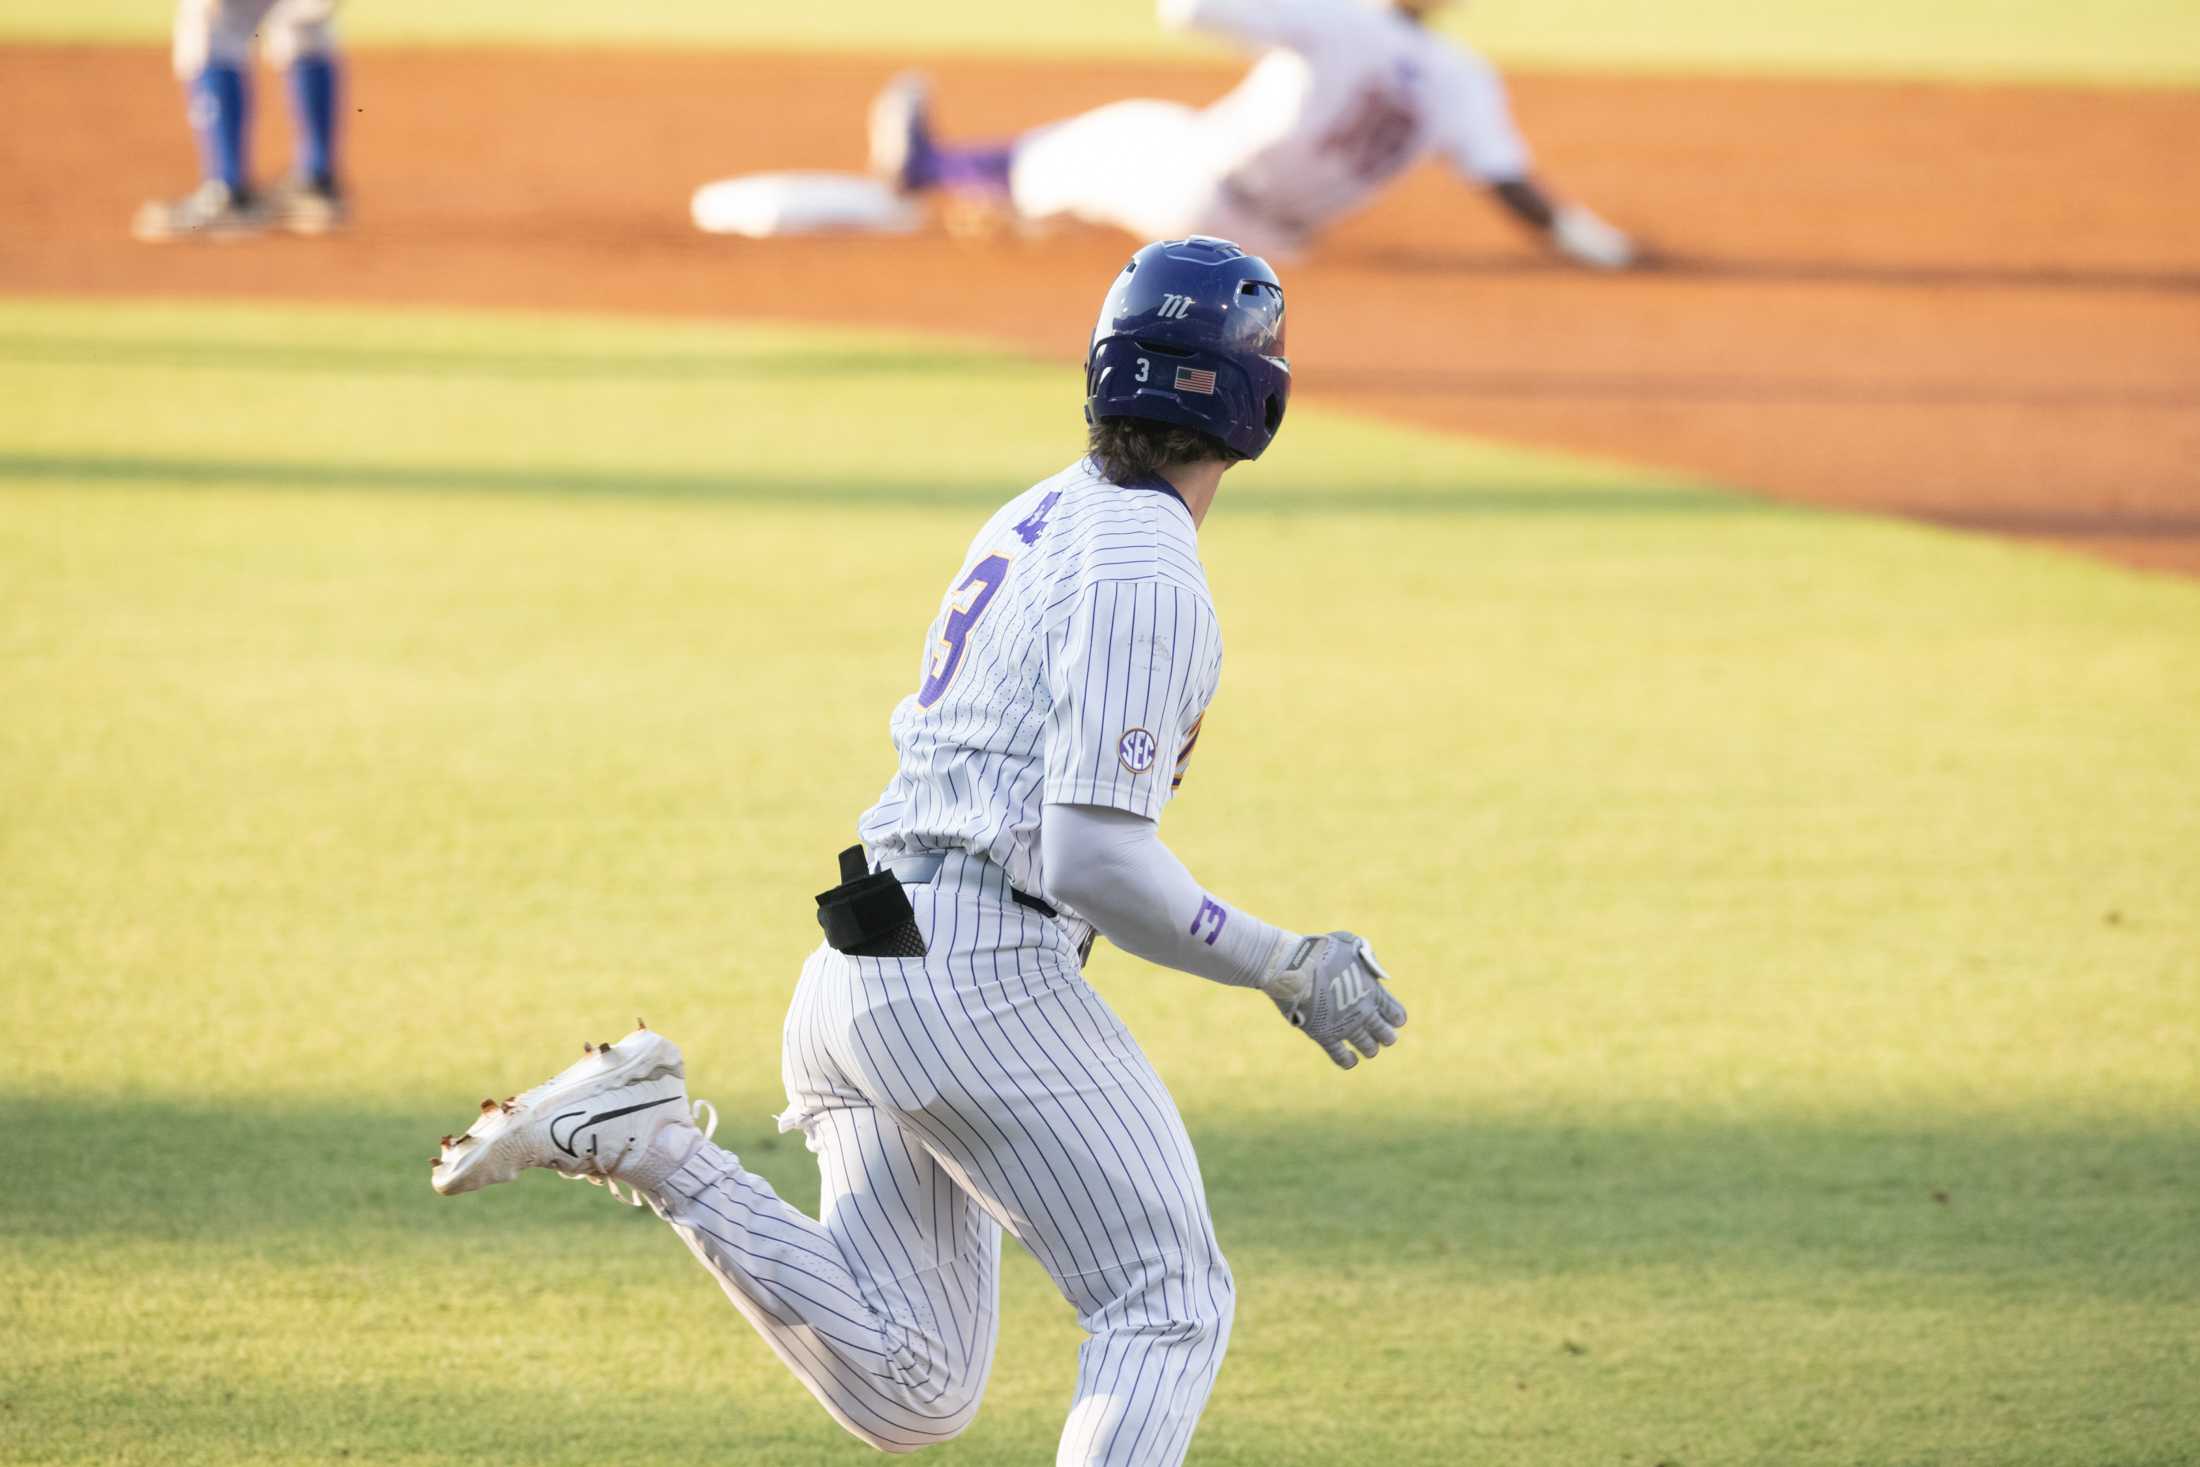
column 1375, row 135
column 964, row 608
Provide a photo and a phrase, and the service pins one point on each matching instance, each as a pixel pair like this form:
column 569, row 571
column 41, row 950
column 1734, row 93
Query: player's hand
column 1587, row 240
column 1332, row 988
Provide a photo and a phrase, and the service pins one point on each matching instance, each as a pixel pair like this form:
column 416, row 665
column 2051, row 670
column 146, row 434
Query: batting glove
column 1332, row 988
column 1587, row 240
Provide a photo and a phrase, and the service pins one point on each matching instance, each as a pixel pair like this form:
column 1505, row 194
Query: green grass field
column 1796, row 911
column 2112, row 41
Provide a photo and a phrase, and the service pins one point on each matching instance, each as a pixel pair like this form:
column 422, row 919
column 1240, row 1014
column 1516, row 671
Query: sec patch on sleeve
column 1137, row 749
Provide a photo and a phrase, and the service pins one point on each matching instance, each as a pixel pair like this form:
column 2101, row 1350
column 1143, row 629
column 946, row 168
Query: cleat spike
column 604, row 1048
column 587, row 1048
column 640, row 1024
column 487, row 1106
column 447, row 1141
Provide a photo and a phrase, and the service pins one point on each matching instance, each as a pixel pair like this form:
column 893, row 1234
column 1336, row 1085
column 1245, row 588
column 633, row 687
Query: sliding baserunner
column 1346, row 95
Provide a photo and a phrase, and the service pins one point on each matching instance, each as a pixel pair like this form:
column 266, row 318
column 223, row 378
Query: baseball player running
column 944, row 1056
column 1346, row 96
column 213, row 57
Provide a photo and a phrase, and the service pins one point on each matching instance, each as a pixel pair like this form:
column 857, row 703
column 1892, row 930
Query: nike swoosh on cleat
column 563, row 1144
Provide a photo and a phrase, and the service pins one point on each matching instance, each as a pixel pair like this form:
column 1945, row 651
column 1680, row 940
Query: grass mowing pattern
column 2109, row 42
column 1794, row 909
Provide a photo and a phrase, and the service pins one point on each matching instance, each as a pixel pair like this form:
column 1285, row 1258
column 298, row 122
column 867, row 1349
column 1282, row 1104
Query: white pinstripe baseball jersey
column 1071, row 661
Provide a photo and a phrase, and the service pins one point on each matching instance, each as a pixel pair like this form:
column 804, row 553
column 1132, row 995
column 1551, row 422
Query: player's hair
column 1130, row 449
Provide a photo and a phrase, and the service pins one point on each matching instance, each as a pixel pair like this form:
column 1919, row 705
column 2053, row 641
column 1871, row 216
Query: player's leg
column 1036, row 1098
column 302, row 41
column 1140, row 166
column 905, row 153
column 1157, row 1334
column 885, row 1310
column 888, row 1307
column 213, row 54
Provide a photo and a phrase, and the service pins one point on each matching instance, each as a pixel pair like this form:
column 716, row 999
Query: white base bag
column 762, row 205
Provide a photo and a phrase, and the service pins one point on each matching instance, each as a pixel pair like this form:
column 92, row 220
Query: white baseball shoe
column 618, row 1114
column 212, row 211
column 901, row 134
column 301, row 206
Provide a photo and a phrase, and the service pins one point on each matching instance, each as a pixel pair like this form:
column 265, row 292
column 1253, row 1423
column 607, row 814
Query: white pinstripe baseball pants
column 984, row 1087
column 224, row 30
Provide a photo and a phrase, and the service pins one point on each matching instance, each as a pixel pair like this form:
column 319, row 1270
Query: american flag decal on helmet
column 1192, row 379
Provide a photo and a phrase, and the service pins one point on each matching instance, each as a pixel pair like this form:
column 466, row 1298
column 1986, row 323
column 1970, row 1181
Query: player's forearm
column 1526, row 201
column 1110, row 867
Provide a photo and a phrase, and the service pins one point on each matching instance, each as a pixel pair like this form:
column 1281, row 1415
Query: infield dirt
column 1978, row 306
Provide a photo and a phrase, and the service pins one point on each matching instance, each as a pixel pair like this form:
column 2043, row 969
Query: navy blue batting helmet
column 1192, row 334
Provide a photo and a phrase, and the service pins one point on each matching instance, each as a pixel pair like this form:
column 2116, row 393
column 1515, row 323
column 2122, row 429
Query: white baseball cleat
column 212, row 211
column 614, row 1115
column 302, row 206
column 901, row 138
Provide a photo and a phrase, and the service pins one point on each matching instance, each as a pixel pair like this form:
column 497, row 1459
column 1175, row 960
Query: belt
column 919, row 869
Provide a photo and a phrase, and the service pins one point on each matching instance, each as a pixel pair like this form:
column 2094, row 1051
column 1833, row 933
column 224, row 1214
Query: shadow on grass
column 94, row 470
column 615, row 1409
column 776, row 361
column 386, row 1417
column 2097, row 1210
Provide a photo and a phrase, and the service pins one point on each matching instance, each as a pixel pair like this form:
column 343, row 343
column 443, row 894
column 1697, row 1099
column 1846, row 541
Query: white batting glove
column 1332, row 988
column 1587, row 240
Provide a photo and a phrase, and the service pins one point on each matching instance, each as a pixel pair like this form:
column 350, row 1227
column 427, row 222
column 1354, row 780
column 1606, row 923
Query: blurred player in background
column 214, row 60
column 1346, row 96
